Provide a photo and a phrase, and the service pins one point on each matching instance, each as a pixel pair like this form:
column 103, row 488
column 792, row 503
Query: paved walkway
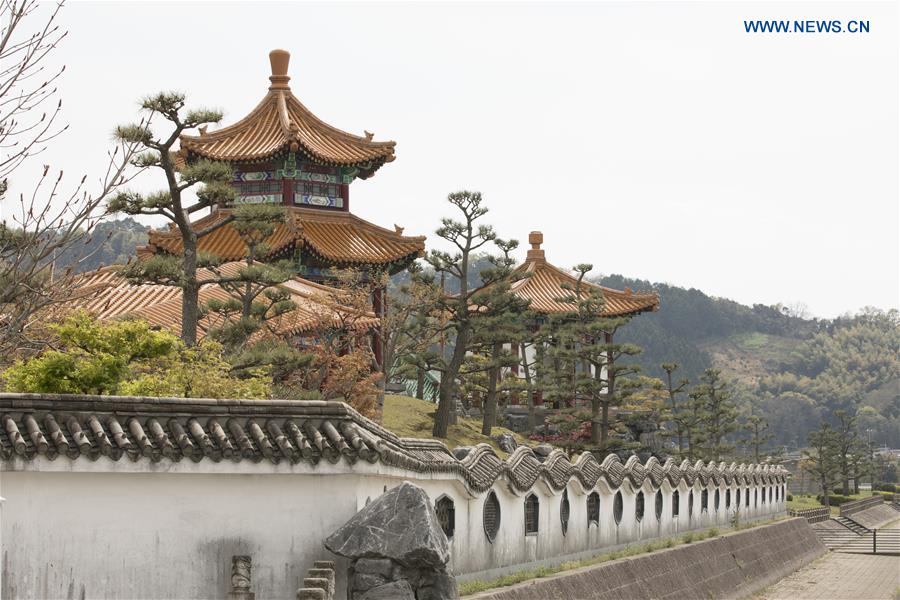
column 840, row 576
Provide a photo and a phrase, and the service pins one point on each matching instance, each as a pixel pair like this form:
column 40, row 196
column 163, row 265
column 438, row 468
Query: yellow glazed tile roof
column 543, row 287
column 336, row 236
column 282, row 122
column 108, row 295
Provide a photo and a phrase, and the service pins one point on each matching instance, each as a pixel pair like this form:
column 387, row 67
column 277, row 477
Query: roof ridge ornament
column 536, row 253
column 279, row 61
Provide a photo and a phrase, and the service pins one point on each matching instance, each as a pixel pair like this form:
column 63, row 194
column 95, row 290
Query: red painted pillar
column 345, row 194
column 287, row 191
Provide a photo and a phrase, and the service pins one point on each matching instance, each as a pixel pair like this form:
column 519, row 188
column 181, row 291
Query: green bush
column 835, row 499
column 790, row 497
column 882, row 486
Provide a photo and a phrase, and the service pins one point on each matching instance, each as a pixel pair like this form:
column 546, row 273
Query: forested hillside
column 793, row 371
column 111, row 242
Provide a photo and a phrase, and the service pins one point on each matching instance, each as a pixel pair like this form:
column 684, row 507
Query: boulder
column 542, row 450
column 400, row 525
column 375, row 566
column 395, row 590
column 506, row 442
column 440, row 586
column 460, row 452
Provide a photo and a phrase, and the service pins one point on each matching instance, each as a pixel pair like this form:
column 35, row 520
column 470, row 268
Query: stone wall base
column 732, row 566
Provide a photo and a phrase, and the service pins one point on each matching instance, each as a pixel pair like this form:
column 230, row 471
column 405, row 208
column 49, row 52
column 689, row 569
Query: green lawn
column 807, row 501
column 409, row 417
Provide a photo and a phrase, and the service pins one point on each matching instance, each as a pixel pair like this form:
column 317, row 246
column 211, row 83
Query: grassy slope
column 748, row 356
column 409, row 417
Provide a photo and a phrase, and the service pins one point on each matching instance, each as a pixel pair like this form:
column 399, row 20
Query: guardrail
column 851, row 508
column 812, row 515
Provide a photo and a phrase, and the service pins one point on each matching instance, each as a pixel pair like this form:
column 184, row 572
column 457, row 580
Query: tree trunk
column 420, row 383
column 190, row 293
column 489, row 418
column 610, row 389
column 596, row 421
column 529, row 393
column 678, row 431
column 448, row 383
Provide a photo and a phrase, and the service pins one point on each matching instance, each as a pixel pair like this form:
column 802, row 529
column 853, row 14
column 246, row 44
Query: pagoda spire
column 535, row 238
column 279, row 60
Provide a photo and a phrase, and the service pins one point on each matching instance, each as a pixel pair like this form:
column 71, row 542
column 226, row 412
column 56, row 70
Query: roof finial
column 279, row 60
column 536, row 238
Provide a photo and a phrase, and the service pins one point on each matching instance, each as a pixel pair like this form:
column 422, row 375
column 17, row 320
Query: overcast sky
column 655, row 140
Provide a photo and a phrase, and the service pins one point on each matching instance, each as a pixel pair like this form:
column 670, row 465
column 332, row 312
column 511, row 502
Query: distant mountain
column 110, row 243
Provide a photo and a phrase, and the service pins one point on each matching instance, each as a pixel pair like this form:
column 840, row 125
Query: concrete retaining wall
column 876, row 516
column 731, row 566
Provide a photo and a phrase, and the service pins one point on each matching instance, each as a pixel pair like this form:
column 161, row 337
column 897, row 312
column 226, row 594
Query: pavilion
column 544, row 285
column 281, row 153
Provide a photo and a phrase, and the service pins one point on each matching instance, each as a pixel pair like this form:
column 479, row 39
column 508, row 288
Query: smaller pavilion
column 543, row 286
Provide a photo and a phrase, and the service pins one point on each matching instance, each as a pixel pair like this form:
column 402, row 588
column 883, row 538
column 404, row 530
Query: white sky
column 656, row 140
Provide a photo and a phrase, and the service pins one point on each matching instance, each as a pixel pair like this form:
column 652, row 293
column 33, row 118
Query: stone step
column 852, row 525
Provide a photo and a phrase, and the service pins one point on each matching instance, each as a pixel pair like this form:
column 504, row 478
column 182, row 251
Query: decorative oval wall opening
column 676, row 497
column 691, row 505
column 704, row 501
column 564, row 512
column 727, row 498
column 532, row 511
column 747, row 497
column 593, row 509
column 639, row 506
column 617, row 507
column 491, row 516
column 716, row 501
column 659, row 505
column 446, row 515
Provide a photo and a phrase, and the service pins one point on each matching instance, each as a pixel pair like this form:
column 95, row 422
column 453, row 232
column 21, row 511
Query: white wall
column 105, row 529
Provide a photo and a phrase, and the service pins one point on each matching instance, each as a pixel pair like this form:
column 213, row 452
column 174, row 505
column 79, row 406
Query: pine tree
column 757, row 428
column 717, row 414
column 499, row 319
column 846, row 440
column 455, row 315
column 674, row 391
column 821, row 460
column 212, row 178
column 254, row 299
column 580, row 357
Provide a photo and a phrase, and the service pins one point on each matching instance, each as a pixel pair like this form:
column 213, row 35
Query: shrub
column 790, row 497
column 835, row 499
column 688, row 538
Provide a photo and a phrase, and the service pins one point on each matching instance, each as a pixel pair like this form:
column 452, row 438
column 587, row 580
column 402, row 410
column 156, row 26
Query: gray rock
column 543, row 450
column 360, row 582
column 461, row 452
column 442, row 586
column 506, row 442
column 395, row 590
column 376, row 566
column 517, row 423
column 400, row 525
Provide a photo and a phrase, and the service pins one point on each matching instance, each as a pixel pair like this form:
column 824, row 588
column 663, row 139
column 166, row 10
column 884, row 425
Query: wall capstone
column 397, row 548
